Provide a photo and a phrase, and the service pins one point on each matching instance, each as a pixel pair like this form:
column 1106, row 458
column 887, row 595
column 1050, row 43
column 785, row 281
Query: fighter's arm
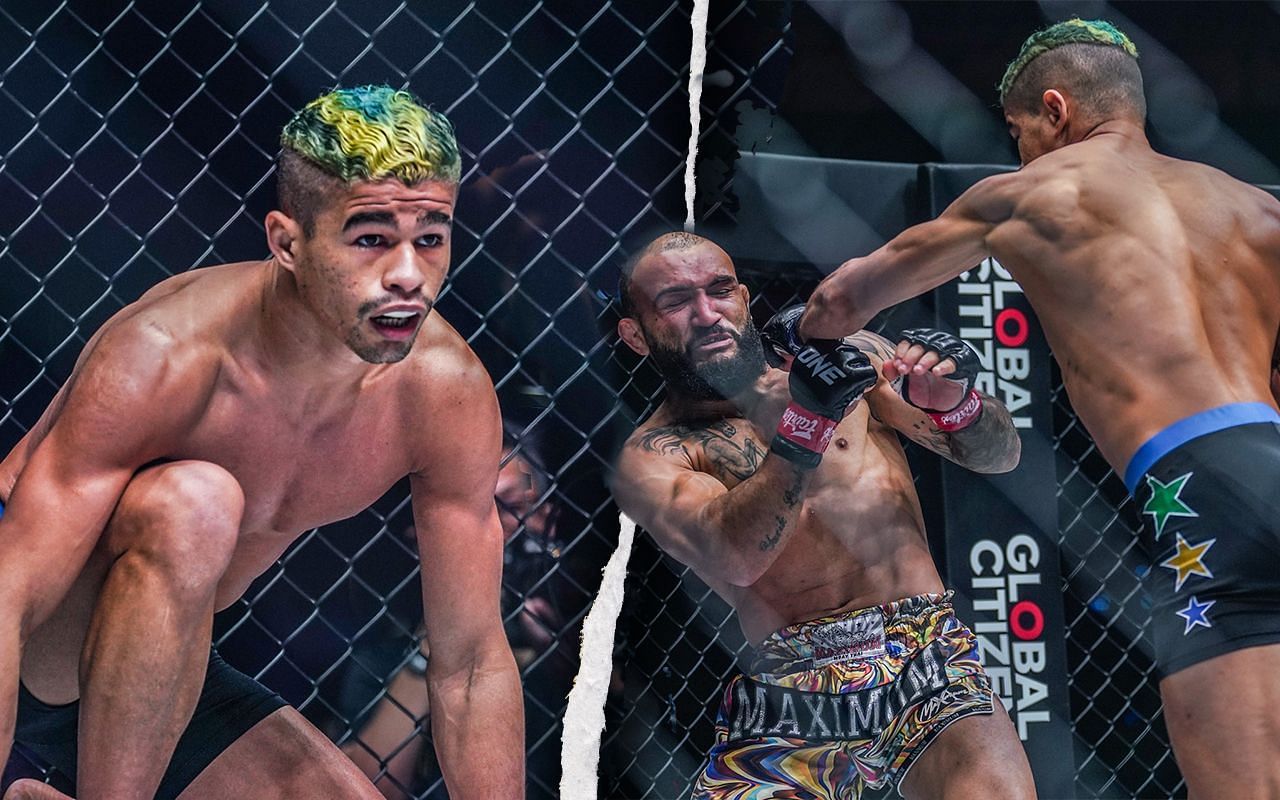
column 918, row 259
column 730, row 535
column 17, row 458
column 990, row 444
column 477, row 715
column 124, row 407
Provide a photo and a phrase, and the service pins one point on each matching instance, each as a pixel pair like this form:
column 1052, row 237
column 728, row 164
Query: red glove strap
column 804, row 428
column 962, row 416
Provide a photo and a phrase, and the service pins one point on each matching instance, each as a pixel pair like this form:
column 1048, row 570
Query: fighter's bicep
column 126, row 405
column 69, row 498
column 669, row 500
column 71, row 478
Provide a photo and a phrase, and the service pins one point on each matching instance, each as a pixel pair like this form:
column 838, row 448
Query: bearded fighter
column 209, row 424
column 1157, row 282
column 790, row 495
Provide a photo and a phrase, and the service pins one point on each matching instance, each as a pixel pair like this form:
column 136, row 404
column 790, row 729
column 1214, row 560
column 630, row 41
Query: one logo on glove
column 819, row 366
column 810, row 431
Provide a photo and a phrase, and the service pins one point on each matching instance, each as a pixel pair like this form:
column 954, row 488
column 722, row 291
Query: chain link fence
column 137, row 141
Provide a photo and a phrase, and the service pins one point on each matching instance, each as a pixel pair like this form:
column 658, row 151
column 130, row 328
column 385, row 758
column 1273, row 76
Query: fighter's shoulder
column 155, row 332
column 191, row 308
column 1242, row 196
column 993, row 198
column 713, row 446
column 442, row 368
column 141, row 365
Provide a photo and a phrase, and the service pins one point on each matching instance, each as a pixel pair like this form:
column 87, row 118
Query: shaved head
column 1090, row 59
column 682, row 307
column 676, row 240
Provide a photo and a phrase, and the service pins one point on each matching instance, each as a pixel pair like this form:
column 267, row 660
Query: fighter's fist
column 938, row 371
column 826, row 378
column 781, row 341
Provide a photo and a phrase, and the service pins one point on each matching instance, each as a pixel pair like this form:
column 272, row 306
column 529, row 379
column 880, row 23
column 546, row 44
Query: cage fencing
column 138, row 141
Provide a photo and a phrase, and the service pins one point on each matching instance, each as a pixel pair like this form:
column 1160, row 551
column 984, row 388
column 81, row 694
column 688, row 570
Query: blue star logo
column 1196, row 614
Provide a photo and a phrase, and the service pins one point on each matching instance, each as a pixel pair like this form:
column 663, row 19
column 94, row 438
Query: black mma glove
column 779, row 336
column 948, row 345
column 826, row 377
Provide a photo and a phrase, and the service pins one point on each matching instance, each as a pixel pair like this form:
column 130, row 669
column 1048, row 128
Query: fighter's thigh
column 977, row 757
column 283, row 756
column 1233, row 697
column 189, row 510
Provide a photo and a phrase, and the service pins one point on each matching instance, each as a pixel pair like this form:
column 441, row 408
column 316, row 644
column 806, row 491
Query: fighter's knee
column 185, row 512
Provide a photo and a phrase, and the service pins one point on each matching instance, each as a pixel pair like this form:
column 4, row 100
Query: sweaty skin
column 250, row 367
column 846, row 535
column 1157, row 280
column 780, row 543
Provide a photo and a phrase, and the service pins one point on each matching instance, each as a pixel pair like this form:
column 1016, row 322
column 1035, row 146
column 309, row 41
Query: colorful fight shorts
column 1208, row 489
column 839, row 703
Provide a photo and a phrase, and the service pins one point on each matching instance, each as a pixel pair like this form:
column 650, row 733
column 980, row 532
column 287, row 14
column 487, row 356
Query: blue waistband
column 1193, row 427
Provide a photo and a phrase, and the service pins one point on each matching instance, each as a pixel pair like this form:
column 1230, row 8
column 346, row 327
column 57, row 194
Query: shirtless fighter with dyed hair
column 210, row 423
column 790, row 495
column 1158, row 285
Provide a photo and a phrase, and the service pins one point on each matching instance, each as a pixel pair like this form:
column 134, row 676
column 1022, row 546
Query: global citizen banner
column 1002, row 530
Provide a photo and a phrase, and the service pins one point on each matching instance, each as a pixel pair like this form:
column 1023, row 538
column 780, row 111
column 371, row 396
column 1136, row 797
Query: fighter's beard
column 716, row 379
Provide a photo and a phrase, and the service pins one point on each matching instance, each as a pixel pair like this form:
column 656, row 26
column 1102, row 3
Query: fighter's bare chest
column 733, row 449
column 299, row 471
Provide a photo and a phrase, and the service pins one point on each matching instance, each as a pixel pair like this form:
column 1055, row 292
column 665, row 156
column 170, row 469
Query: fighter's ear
column 629, row 332
column 284, row 234
column 1058, row 108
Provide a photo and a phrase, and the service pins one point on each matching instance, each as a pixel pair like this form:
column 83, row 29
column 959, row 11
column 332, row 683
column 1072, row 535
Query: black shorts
column 1211, row 528
column 230, row 704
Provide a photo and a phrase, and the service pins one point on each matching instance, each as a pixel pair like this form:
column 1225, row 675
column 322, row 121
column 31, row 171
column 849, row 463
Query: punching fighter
column 790, row 495
column 1157, row 282
column 209, row 424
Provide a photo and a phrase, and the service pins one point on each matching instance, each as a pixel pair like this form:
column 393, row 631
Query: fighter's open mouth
column 713, row 340
column 396, row 319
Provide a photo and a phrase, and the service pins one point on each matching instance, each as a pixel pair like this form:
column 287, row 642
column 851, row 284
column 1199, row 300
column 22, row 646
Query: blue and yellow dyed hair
column 1072, row 31
column 366, row 133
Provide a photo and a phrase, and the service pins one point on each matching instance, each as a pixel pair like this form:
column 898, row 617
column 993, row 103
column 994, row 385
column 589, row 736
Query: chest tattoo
column 733, row 455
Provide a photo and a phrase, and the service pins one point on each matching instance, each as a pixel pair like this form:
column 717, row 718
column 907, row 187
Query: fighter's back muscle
column 1158, row 293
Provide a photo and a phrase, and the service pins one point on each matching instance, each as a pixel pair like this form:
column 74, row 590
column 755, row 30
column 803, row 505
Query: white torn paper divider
column 584, row 714
column 697, row 65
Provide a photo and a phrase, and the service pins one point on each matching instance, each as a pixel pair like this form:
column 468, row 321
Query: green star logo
column 1165, row 503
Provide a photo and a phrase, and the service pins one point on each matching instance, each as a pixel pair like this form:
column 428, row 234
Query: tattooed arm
column 989, row 445
column 674, row 482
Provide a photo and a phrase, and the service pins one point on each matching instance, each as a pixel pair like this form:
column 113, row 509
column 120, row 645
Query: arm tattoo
column 872, row 344
column 987, row 445
column 771, row 541
column 731, row 456
column 990, row 443
column 791, row 497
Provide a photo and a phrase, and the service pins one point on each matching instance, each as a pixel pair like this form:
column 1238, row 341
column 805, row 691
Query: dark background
column 136, row 140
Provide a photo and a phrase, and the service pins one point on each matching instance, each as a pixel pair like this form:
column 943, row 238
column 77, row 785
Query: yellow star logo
column 1187, row 560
